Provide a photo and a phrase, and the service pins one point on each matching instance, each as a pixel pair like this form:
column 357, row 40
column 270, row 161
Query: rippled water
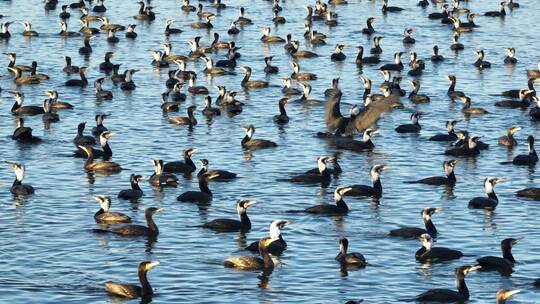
column 50, row 255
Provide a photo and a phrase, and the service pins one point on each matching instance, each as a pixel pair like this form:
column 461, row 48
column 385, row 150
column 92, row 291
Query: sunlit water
column 50, row 255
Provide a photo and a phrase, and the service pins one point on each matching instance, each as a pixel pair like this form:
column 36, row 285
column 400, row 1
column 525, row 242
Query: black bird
column 448, row 295
column 351, row 258
column 340, row 207
column 231, row 225
column 200, row 197
column 413, row 127
column 529, row 159
column 24, row 134
column 449, row 179
column 187, row 166
column 364, row 190
column 414, row 232
column 217, row 175
column 135, row 192
column 18, row 188
column 322, row 176
column 491, row 201
column 431, row 254
column 503, row 265
column 278, row 244
column 450, row 135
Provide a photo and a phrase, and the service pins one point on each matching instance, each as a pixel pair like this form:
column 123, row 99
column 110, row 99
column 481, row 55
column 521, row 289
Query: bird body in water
column 322, row 176
column 160, row 178
column 106, row 167
column 48, row 116
column 18, row 188
column 22, row 80
column 28, row 32
column 523, row 101
column 301, row 76
column 12, row 57
column 231, row 225
column 364, row 190
column 131, row 291
column 366, row 144
column 447, row 295
column 107, row 65
column 186, row 166
column 436, row 57
column 81, row 139
column 135, row 192
column 253, row 263
column 480, row 62
column 82, row 82
column 529, row 159
column 450, row 135
column 449, row 179
column 150, row 230
column 246, row 83
column 414, row 232
column 86, row 49
column 468, row 110
column 208, row 110
column 216, row 175
column 267, row 38
column 413, row 127
column 500, row 13
column 248, row 142
column 57, row 105
column 534, row 74
column 203, row 196
column 190, row 120
column 428, row 253
column 296, row 53
column 24, row 134
column 130, row 33
column 349, row 258
column 396, row 66
column 282, row 117
column 510, row 56
column 340, row 207
column 534, row 113
column 369, row 30
column 491, row 201
column 101, row 93
column 64, row 31
column 277, row 244
column 468, row 148
column 128, row 84
column 338, row 54
column 414, row 96
column 503, row 265
column 452, row 93
column 19, row 109
column 509, row 140
column 104, row 216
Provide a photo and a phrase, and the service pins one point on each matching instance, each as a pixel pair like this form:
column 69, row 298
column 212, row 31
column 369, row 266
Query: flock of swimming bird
column 340, row 129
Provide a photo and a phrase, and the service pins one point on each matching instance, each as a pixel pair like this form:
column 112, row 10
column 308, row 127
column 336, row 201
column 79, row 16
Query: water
column 49, row 254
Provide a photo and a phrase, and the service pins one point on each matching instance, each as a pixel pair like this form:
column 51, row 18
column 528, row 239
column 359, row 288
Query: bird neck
column 146, row 288
column 461, row 286
column 203, row 185
column 135, row 186
column 244, row 219
column 341, row 203
column 430, row 227
column 151, row 224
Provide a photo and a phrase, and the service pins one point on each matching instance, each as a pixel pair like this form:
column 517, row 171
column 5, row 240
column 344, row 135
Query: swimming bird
column 18, row 188
column 203, row 196
column 253, row 263
column 215, row 175
column 508, row 139
column 190, row 120
column 340, row 207
column 414, row 96
column 301, row 76
column 468, row 110
column 503, row 265
column 449, row 178
column 428, row 253
column 128, row 84
column 366, row 144
column 231, row 225
column 104, row 216
column 480, row 62
column 106, row 167
column 414, row 232
column 447, row 295
column 86, row 49
column 396, row 66
column 102, row 94
column 390, row 9
column 510, row 56
column 413, row 127
column 338, row 54
column 150, row 230
column 369, row 30
column 82, row 82
column 203, row 25
column 491, row 201
column 107, row 65
column 160, row 178
column 169, row 30
column 20, row 110
column 361, row 60
column 375, row 190
column 500, row 13
column 349, row 258
column 248, row 142
column 70, row 69
column 64, row 31
column 535, row 74
column 130, row 33
column 529, row 159
column 282, row 117
column 468, row 148
column 28, row 32
column 296, row 53
column 135, row 192
column 322, row 176
column 187, row 166
column 24, row 134
column 22, row 80
column 450, row 135
column 523, row 101
column 81, row 139
column 277, row 244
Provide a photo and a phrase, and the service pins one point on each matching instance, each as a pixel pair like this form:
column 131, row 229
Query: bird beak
column 160, row 209
column 438, row 209
column 251, row 203
column 154, row 263
column 510, row 293
column 517, row 240
column 473, row 268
